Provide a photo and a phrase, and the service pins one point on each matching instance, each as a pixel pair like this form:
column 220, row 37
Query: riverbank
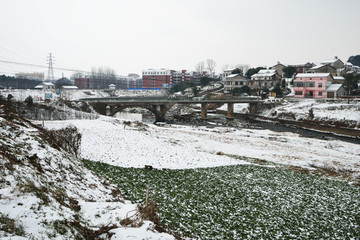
column 304, row 123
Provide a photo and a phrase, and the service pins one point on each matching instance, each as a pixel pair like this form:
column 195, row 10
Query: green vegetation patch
column 243, row 201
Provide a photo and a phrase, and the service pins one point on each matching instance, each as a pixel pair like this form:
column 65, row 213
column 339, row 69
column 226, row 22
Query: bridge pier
column 253, row 107
column 230, row 111
column 203, row 110
column 159, row 111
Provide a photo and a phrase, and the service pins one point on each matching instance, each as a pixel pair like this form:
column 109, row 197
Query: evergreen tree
column 277, row 89
column 289, row 71
column 253, row 71
column 29, row 101
column 355, row 60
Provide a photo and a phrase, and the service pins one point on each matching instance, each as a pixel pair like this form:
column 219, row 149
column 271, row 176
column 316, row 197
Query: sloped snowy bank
column 46, row 193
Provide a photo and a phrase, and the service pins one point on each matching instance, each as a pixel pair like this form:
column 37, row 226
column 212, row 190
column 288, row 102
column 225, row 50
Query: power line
column 44, row 66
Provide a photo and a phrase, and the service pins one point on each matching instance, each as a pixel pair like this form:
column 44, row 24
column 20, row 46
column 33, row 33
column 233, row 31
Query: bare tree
column 210, row 64
column 102, row 77
column 200, row 67
column 226, row 67
column 243, row 67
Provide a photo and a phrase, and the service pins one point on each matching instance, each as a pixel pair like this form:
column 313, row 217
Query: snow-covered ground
column 322, row 109
column 45, row 192
column 177, row 147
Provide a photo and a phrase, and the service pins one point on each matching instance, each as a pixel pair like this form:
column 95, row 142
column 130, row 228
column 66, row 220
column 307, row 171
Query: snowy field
column 180, row 147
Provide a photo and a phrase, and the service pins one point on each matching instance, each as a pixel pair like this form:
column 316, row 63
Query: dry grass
column 332, row 170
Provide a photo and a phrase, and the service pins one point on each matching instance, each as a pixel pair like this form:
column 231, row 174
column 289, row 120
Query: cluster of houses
column 324, row 80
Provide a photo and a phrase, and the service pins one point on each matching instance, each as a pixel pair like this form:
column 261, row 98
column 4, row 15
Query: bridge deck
column 164, row 101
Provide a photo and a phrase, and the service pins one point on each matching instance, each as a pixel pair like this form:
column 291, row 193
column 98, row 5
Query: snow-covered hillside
column 109, row 140
column 325, row 110
column 46, row 193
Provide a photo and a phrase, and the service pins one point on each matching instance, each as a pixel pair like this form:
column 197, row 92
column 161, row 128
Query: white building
column 45, row 86
column 335, row 90
column 264, row 78
column 234, row 81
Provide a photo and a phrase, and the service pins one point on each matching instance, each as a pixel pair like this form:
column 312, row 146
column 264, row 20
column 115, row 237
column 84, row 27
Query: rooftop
column 333, row 87
column 304, row 75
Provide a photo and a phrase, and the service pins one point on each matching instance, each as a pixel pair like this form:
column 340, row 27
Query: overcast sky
column 132, row 35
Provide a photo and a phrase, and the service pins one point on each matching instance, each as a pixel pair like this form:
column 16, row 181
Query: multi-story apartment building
column 312, row 85
column 102, row 82
column 136, row 83
column 82, row 82
column 165, row 78
column 31, row 76
column 156, row 78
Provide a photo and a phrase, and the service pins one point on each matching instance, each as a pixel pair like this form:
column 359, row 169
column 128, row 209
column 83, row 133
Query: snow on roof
column 348, row 64
column 329, row 61
column 40, row 86
column 265, row 73
column 48, row 84
column 339, row 78
column 232, row 75
column 312, row 75
column 69, row 87
column 318, row 66
column 300, row 64
column 333, row 87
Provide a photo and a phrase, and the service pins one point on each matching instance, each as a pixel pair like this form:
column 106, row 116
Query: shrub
column 69, row 139
column 29, row 101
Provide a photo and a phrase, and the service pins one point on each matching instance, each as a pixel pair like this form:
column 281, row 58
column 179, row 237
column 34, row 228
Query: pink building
column 312, row 85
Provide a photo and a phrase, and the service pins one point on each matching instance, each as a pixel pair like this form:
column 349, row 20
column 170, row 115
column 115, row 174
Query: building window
column 298, row 93
column 320, row 85
column 310, row 84
column 320, row 93
column 298, row 84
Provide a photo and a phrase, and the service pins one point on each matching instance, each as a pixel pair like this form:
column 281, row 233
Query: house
column 234, row 81
column 265, row 78
column 311, row 85
column 226, row 73
column 323, row 69
column 335, row 90
column 45, row 86
column 339, row 79
column 335, row 63
column 302, row 67
column 350, row 68
column 279, row 68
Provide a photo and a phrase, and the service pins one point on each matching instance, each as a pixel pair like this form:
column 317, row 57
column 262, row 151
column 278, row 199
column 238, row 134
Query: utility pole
column 50, row 61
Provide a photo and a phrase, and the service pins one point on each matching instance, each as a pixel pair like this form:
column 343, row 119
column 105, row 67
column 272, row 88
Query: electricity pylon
column 50, row 60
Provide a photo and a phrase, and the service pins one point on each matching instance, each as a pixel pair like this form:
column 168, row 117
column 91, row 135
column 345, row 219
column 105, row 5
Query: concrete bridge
column 159, row 107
